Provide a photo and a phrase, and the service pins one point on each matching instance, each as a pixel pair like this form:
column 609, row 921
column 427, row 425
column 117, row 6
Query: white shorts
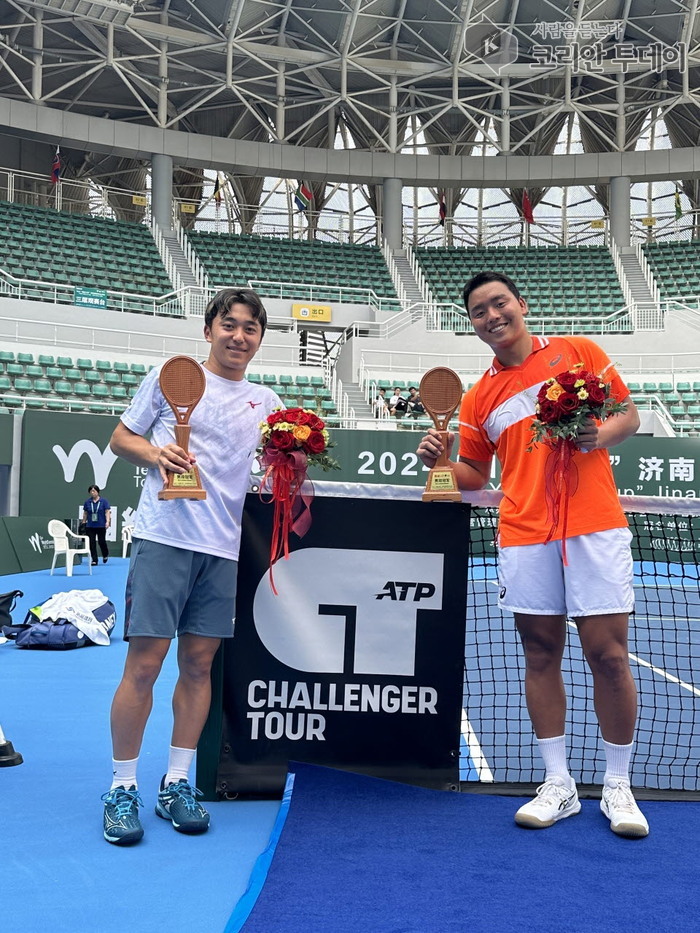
column 598, row 580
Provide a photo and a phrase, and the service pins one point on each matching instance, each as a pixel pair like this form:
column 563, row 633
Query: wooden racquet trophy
column 182, row 382
column 441, row 392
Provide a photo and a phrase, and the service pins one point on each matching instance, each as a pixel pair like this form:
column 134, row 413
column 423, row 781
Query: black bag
column 82, row 528
column 7, row 606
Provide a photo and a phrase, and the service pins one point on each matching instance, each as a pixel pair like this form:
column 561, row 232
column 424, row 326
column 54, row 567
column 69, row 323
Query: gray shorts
column 172, row 591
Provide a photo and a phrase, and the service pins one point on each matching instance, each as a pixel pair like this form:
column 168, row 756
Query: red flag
column 442, row 208
column 527, row 208
column 56, row 167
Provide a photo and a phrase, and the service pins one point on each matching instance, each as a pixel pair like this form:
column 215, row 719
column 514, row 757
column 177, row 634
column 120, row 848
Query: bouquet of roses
column 292, row 439
column 564, row 403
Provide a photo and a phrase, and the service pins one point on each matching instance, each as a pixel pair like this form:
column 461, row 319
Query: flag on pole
column 217, row 190
column 677, row 202
column 303, row 197
column 442, row 208
column 56, row 167
column 527, row 208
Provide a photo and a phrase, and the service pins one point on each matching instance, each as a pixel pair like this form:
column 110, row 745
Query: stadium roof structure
column 391, row 76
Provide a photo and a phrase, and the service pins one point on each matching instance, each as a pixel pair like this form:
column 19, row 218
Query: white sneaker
column 556, row 799
column 620, row 807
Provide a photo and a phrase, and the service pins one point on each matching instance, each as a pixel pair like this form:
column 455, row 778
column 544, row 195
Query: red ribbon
column 285, row 475
column 560, row 484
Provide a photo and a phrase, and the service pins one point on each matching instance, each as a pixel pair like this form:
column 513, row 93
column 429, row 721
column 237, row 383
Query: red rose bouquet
column 292, row 439
column 564, row 404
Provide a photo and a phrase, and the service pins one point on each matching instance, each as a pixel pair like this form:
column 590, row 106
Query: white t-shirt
column 225, row 433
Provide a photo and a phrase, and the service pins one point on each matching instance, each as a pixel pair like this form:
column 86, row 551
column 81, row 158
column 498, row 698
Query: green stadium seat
column 42, row 387
column 34, row 371
column 100, row 391
column 33, row 402
column 83, row 364
column 54, row 404
column 72, row 375
column 13, row 401
column 269, row 379
column 5, row 383
column 302, row 380
column 6, row 356
column 103, row 366
column 23, row 385
column 62, row 387
column 255, row 378
column 14, row 369
column 82, row 389
column 25, row 358
column 64, row 362
column 119, row 367
column 138, row 369
column 46, row 360
column 285, row 380
column 91, row 375
column 111, row 379
column 131, row 379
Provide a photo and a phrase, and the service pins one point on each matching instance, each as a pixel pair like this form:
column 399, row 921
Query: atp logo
column 330, row 617
column 102, row 460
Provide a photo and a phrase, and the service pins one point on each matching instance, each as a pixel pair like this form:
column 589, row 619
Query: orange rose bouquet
column 564, row 403
column 292, row 439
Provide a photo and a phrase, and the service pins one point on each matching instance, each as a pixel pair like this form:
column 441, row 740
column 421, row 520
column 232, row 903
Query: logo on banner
column 102, row 460
column 346, row 611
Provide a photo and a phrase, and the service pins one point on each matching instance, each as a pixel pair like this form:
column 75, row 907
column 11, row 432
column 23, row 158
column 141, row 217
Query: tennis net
column 664, row 645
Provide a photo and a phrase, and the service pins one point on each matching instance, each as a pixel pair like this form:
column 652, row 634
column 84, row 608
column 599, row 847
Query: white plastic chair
column 127, row 531
column 62, row 539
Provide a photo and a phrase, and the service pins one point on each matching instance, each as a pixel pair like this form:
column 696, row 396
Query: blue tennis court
column 497, row 742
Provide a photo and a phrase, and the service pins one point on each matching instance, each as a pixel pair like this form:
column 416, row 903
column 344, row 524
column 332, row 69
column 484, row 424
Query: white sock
column 553, row 752
column 179, row 763
column 617, row 761
column 124, row 773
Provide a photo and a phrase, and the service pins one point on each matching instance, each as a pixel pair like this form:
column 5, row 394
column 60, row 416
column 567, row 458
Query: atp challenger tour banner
column 357, row 663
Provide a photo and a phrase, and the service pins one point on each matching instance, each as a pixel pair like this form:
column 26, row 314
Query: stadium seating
column 232, row 258
column 45, row 245
column 559, row 283
column 676, row 267
column 103, row 385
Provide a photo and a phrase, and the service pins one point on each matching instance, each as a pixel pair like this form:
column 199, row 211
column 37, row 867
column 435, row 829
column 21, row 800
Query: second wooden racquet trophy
column 182, row 382
column 441, row 392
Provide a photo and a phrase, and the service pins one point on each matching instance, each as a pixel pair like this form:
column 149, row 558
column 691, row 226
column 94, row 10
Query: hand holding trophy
column 182, row 382
column 441, row 393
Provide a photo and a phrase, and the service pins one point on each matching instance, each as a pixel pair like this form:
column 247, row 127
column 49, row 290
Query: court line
column 657, row 670
column 481, row 765
column 663, row 673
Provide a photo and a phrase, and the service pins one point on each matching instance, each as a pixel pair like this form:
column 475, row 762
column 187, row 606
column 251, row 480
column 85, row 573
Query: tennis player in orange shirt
column 594, row 585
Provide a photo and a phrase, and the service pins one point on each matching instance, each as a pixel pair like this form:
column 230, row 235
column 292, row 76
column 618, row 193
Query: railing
column 419, row 275
column 166, row 257
column 191, row 256
column 396, row 280
column 340, row 294
column 646, row 271
column 622, row 276
column 42, row 332
column 57, row 293
column 75, row 196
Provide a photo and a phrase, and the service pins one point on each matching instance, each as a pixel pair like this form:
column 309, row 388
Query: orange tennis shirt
column 496, row 417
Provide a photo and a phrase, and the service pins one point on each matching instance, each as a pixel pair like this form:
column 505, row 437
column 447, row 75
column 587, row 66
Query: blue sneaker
column 122, row 825
column 178, row 803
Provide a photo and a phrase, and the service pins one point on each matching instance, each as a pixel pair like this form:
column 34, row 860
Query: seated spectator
column 379, row 405
column 398, row 404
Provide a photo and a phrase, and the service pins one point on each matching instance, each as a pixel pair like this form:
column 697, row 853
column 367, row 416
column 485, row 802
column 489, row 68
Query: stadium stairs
column 639, row 289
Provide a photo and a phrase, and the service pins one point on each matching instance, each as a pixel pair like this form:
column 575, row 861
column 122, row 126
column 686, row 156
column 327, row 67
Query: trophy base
column 183, row 486
column 182, row 494
column 441, row 486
